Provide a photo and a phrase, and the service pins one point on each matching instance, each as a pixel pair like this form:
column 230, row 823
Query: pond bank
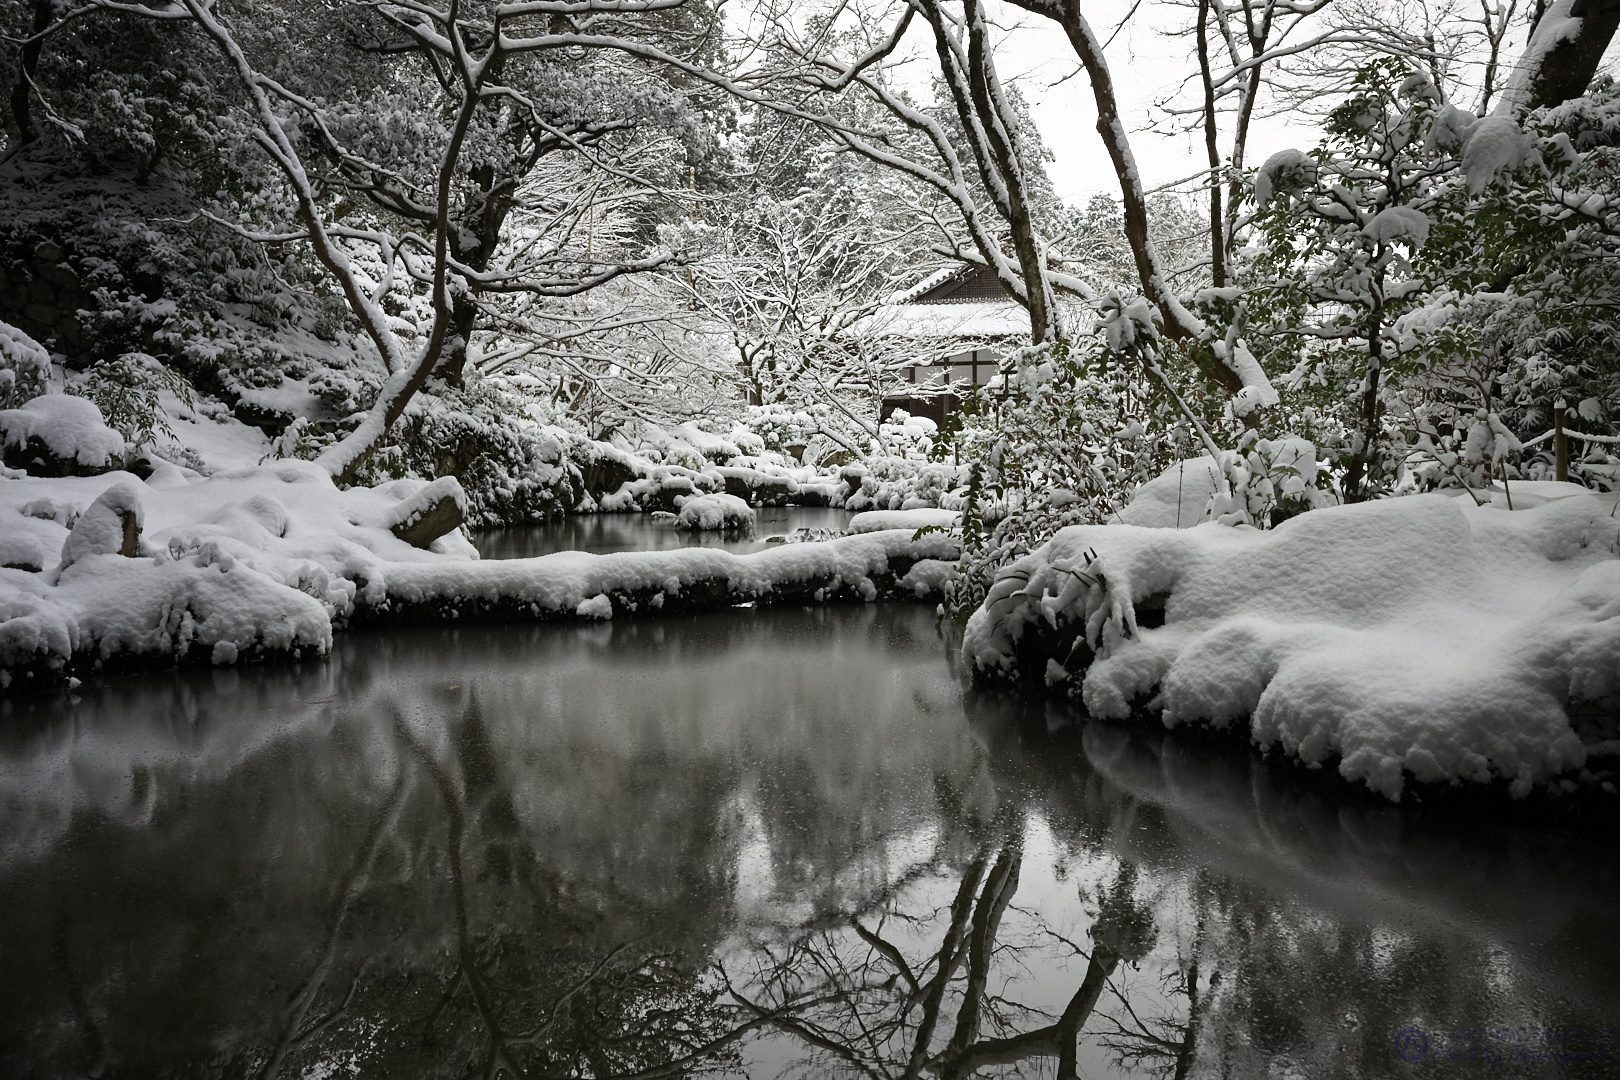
column 267, row 562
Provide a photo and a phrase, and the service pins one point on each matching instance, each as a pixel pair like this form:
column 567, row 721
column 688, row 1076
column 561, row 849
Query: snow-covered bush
column 1067, row 443
column 25, row 367
column 514, row 469
column 714, row 513
column 128, row 392
column 905, row 436
column 60, row 435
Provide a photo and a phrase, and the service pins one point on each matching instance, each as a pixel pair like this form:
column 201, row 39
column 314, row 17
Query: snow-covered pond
column 579, row 848
column 604, row 533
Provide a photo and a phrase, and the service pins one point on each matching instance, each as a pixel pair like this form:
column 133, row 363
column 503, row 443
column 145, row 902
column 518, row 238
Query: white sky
column 1148, row 68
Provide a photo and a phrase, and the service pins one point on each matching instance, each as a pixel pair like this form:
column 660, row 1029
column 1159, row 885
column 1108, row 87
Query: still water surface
column 602, row 533
column 746, row 842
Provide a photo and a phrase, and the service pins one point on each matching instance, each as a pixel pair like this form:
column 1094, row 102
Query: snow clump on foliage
column 1284, row 172
column 25, row 367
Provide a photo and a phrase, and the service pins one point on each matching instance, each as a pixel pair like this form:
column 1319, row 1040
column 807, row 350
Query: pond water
column 602, row 533
column 746, row 842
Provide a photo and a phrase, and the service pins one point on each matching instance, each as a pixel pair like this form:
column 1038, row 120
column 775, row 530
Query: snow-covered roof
column 981, row 319
column 932, row 281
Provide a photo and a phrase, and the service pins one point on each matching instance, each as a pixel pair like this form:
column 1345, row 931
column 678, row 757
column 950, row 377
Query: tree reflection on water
column 622, row 852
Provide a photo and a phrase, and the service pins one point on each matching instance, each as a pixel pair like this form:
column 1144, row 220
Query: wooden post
column 1560, row 443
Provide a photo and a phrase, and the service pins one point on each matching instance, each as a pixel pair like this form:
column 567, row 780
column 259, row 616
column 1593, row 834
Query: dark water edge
column 603, row 533
column 600, row 850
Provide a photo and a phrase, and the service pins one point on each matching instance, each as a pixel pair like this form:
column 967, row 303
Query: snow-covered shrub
column 713, row 513
column 819, row 430
column 906, row 436
column 900, row 483
column 60, row 435
column 1079, row 430
column 128, row 391
column 25, row 367
column 513, row 469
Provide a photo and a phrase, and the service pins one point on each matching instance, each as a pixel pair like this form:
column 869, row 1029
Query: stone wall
column 41, row 294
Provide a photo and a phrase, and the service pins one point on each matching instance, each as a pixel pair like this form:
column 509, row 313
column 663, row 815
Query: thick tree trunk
column 1565, row 49
column 22, row 89
column 1217, row 239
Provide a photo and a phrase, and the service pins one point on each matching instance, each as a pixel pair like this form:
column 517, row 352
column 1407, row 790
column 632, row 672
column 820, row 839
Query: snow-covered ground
column 1424, row 637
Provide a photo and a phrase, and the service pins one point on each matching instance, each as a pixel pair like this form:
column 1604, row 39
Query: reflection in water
column 603, row 533
column 754, row 843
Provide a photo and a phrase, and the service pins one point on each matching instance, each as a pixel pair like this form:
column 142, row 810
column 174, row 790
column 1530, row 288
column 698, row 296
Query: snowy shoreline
column 1422, row 638
column 270, row 561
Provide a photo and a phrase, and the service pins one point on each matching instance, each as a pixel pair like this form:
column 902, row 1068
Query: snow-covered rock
column 110, row 526
column 712, row 513
column 59, row 434
column 1420, row 638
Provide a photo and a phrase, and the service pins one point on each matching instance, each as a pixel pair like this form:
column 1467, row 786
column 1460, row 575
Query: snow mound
column 70, row 427
column 913, row 519
column 1178, row 498
column 1421, row 637
column 708, row 513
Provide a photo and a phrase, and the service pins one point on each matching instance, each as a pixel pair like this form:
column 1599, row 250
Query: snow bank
column 1422, row 637
column 244, row 563
column 711, row 513
column 919, row 518
column 271, row 559
column 680, row 579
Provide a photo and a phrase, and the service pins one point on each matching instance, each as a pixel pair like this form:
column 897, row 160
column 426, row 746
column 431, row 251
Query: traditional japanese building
column 963, row 306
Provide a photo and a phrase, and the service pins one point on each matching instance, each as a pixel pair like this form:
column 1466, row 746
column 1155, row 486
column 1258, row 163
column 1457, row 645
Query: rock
column 438, row 508
column 48, row 252
column 671, row 489
column 852, row 475
column 42, row 313
column 59, row 275
column 273, row 422
column 606, row 475
column 69, row 331
column 758, row 488
column 111, row 525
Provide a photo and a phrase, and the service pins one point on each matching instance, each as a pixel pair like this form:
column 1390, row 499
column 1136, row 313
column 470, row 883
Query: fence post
column 1560, row 443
